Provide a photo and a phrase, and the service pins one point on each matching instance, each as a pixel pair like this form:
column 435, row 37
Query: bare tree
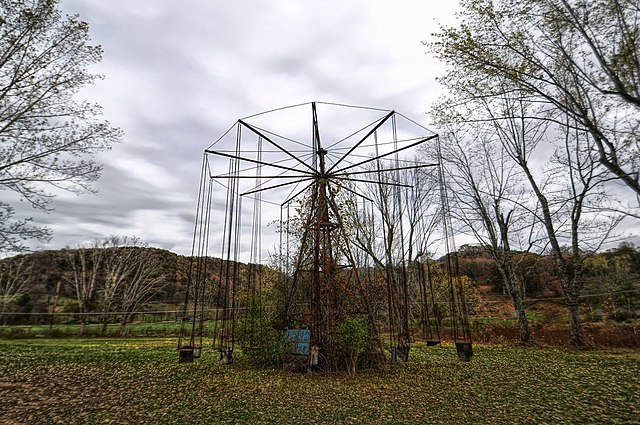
column 118, row 274
column 391, row 231
column 14, row 276
column 47, row 137
column 487, row 198
column 13, row 232
column 380, row 235
column 85, row 262
column 563, row 74
column 119, row 264
column 144, row 279
column 571, row 196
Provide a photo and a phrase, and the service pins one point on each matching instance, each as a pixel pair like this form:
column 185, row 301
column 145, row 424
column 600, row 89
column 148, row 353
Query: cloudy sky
column 178, row 74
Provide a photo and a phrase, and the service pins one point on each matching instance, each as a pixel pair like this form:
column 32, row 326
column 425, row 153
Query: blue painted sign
column 297, row 341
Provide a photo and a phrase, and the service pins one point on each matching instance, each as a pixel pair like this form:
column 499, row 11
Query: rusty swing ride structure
column 318, row 228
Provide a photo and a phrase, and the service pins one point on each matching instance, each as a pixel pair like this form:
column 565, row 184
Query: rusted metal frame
column 265, row 137
column 387, row 154
column 275, row 186
column 354, row 147
column 408, row 167
column 255, row 161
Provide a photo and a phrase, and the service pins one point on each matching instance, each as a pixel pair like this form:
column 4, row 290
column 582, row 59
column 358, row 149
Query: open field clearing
column 92, row 381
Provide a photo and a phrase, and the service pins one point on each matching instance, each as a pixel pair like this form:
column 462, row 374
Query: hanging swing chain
column 203, row 278
column 195, row 232
column 460, row 318
column 255, row 270
column 385, row 237
column 226, row 271
column 403, row 339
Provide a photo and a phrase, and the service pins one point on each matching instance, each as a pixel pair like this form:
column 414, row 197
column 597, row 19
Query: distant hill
column 42, row 281
column 46, row 268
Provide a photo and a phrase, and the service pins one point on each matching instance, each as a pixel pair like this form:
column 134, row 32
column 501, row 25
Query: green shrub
column 351, row 337
column 260, row 342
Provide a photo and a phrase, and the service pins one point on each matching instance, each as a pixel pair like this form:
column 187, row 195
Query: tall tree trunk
column 123, row 327
column 352, row 364
column 513, row 287
column 573, row 305
column 523, row 322
column 83, row 325
column 512, row 280
column 568, row 275
column 517, row 298
column 575, row 334
column 105, row 323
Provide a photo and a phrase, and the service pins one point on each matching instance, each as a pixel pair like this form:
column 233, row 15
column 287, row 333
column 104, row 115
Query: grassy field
column 100, row 381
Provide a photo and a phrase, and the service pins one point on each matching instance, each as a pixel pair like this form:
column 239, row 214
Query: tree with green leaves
column 612, row 282
column 576, row 58
column 533, row 70
column 47, row 136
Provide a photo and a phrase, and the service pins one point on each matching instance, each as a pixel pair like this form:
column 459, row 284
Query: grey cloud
column 179, row 74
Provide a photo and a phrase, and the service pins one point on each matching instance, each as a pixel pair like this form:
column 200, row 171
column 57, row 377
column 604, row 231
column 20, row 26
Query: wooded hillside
column 33, row 285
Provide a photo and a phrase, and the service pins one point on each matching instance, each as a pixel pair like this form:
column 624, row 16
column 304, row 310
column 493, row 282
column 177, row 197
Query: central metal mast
column 323, row 259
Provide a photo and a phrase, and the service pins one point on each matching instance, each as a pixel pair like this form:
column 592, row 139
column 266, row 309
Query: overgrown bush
column 351, row 338
column 260, row 342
